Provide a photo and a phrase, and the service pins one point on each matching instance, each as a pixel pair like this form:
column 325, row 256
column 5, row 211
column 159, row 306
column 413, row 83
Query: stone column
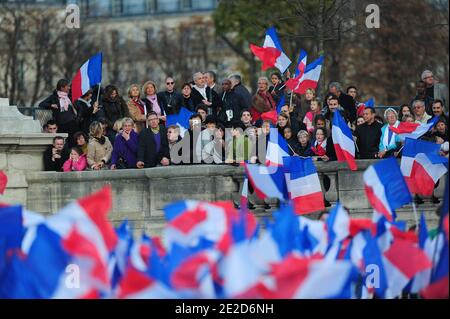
column 21, row 150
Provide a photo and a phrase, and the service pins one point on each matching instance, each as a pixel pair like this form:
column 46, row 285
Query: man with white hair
column 203, row 94
column 418, row 107
column 436, row 90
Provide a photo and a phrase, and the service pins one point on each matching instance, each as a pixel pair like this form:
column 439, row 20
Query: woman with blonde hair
column 137, row 107
column 262, row 101
column 99, row 147
column 152, row 101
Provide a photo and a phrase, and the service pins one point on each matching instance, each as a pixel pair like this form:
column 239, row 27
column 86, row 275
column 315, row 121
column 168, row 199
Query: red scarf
column 268, row 100
column 319, row 150
column 138, row 104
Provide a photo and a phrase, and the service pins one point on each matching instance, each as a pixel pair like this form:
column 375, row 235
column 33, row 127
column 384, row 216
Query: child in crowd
column 77, row 161
column 315, row 109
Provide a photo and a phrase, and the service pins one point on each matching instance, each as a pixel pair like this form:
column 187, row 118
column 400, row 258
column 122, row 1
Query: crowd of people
column 228, row 124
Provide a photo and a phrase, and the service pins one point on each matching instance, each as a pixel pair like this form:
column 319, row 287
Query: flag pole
column 98, row 91
column 415, row 216
column 291, row 148
column 290, row 101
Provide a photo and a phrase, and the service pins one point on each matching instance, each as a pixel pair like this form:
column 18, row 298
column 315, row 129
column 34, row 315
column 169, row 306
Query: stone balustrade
column 140, row 195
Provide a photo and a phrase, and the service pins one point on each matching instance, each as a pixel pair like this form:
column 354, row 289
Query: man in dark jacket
column 244, row 98
column 203, row 94
column 173, row 100
column 368, row 135
column 64, row 113
column 346, row 101
column 153, row 146
column 230, row 111
column 55, row 155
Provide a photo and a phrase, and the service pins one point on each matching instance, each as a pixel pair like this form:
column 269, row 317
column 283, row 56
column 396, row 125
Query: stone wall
column 140, row 195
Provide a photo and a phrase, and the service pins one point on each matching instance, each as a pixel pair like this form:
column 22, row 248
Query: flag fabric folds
column 303, row 184
column 422, row 166
column 87, row 76
column 271, row 53
column 343, row 141
column 413, row 130
column 181, row 120
column 386, row 188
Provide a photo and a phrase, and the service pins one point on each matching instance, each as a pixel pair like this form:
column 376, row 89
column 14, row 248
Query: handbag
column 121, row 164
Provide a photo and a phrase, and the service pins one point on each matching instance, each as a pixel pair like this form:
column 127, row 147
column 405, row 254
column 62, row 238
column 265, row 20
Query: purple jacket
column 127, row 150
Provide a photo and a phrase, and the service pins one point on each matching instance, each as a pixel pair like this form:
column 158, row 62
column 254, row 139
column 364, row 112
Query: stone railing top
column 29, row 138
column 175, row 171
column 14, row 122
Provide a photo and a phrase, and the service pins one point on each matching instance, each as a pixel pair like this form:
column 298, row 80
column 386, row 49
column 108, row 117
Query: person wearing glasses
column 173, row 99
column 434, row 89
column 421, row 116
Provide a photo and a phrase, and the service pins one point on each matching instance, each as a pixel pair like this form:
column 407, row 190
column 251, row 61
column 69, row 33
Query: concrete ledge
column 140, row 195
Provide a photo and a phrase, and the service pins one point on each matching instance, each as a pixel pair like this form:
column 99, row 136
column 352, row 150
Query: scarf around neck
column 320, row 148
column 155, row 106
column 64, row 100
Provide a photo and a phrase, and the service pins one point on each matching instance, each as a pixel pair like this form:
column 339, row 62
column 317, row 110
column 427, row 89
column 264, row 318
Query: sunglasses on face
column 170, row 83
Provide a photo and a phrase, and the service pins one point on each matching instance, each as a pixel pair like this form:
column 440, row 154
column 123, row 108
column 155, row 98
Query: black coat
column 244, row 97
column 172, row 101
column 368, row 139
column 189, row 103
column 211, row 97
column 147, row 147
column 114, row 110
column 349, row 105
column 57, row 165
column 229, row 103
column 85, row 115
column 60, row 117
column 161, row 102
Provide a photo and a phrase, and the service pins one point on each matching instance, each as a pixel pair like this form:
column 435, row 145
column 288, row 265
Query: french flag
column 301, row 278
column 190, row 222
column 271, row 54
column 422, row 166
column 273, row 115
column 277, row 148
column 303, row 184
column 386, row 188
column 268, row 182
column 438, row 287
column 311, row 77
column 3, row 182
column 338, row 225
column 244, row 194
column 88, row 75
column 343, row 141
column 402, row 261
column 294, row 83
column 413, row 130
column 181, row 120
